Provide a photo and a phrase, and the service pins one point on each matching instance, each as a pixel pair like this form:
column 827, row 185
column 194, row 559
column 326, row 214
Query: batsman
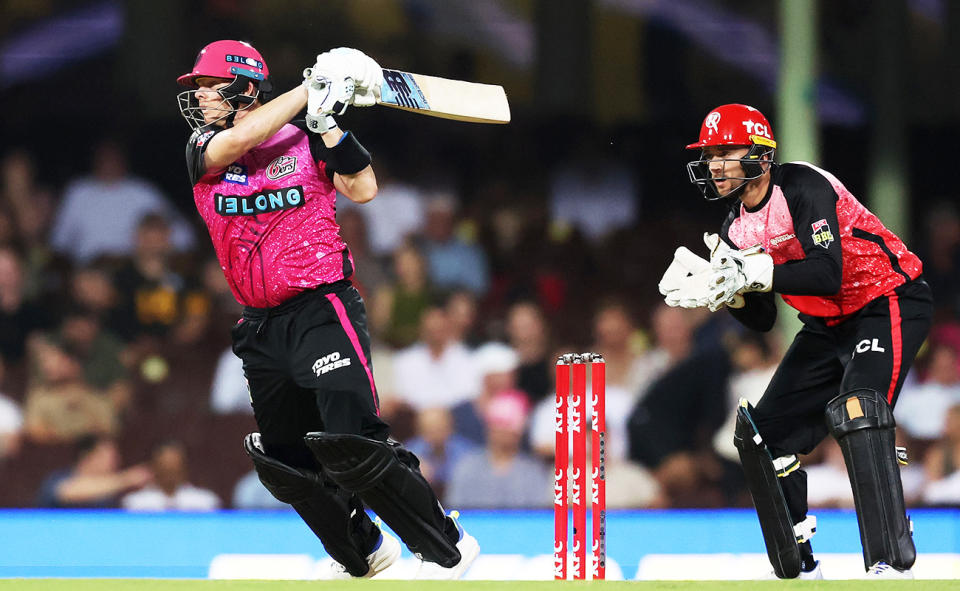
column 794, row 229
column 266, row 187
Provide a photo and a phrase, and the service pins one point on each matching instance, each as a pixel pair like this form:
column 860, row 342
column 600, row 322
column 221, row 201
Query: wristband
column 348, row 156
column 321, row 123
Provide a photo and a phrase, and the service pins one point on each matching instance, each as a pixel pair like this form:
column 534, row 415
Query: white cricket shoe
column 383, row 556
column 882, row 570
column 469, row 550
column 813, row 575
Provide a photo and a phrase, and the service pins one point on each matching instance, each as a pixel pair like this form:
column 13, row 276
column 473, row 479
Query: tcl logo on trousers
column 868, row 345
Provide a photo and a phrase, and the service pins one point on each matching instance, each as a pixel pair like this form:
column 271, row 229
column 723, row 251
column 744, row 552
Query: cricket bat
column 445, row 98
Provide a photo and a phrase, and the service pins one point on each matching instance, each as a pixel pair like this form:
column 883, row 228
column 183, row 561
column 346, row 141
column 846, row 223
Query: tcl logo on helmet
column 755, row 127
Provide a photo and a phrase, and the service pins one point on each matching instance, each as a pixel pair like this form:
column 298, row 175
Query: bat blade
column 445, row 98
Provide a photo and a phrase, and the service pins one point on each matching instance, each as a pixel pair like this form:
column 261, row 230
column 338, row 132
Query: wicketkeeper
column 794, row 229
column 266, row 188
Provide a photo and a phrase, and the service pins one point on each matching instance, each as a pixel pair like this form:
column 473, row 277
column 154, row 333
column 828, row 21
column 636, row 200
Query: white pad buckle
column 784, row 465
column 805, row 529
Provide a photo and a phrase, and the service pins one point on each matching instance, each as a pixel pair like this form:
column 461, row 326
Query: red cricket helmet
column 732, row 125
column 228, row 59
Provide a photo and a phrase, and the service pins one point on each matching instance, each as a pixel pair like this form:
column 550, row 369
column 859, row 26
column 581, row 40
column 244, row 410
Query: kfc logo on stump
column 281, row 167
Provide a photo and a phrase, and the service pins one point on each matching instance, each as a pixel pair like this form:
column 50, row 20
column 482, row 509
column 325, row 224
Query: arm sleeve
column 759, row 313
column 196, row 148
column 812, row 202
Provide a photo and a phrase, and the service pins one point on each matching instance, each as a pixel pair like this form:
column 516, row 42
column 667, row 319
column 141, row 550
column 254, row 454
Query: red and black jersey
column 831, row 255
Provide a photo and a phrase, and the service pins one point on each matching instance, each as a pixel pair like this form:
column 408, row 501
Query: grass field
column 194, row 585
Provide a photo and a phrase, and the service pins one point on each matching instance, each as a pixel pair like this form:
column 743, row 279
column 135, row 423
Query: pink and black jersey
column 832, row 256
column 271, row 217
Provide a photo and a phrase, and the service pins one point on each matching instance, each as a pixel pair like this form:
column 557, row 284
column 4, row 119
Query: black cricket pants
column 872, row 349
column 307, row 363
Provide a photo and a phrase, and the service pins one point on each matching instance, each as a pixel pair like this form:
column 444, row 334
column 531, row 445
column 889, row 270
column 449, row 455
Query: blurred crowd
column 118, row 387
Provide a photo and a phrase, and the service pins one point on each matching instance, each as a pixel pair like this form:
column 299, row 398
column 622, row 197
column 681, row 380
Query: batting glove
column 366, row 73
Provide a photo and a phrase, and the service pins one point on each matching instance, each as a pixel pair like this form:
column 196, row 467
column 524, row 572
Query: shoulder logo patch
column 822, row 236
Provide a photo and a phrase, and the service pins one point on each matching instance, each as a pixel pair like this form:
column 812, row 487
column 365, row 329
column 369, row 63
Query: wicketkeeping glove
column 686, row 281
column 736, row 272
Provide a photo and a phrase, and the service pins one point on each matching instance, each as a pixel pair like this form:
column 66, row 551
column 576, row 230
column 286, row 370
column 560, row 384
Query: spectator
column 31, row 209
column 435, row 371
column 922, row 408
column 941, row 257
column 827, row 482
column 371, row 273
column 614, row 333
column 943, row 464
column 754, row 360
column 99, row 213
column 396, row 310
column 612, row 187
column 673, row 341
column 95, row 480
column 396, row 214
column 11, row 423
column 439, row 446
column 19, row 317
column 671, row 426
column 461, row 307
column 171, row 489
column 100, row 353
column 501, row 475
column 61, row 407
column 453, row 262
column 229, row 392
column 249, row 493
column 529, row 336
column 92, row 289
column 496, row 366
column 150, row 292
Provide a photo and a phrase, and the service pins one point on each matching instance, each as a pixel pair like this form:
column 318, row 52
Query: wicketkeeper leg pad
column 335, row 516
column 862, row 423
column 388, row 479
column 762, row 476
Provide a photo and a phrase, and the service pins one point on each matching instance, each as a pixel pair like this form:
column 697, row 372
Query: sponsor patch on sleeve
column 203, row 137
column 822, row 236
column 236, row 174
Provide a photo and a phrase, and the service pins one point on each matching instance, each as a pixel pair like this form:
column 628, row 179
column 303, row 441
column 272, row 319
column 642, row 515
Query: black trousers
column 307, row 364
column 872, row 349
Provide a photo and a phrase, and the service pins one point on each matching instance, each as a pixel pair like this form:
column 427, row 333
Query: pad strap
column 784, row 465
column 805, row 529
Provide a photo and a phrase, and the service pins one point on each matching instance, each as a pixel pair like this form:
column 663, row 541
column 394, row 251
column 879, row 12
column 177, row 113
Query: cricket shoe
column 469, row 550
column 384, row 554
column 882, row 570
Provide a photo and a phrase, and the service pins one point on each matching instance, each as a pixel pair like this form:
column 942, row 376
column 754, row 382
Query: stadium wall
column 676, row 544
